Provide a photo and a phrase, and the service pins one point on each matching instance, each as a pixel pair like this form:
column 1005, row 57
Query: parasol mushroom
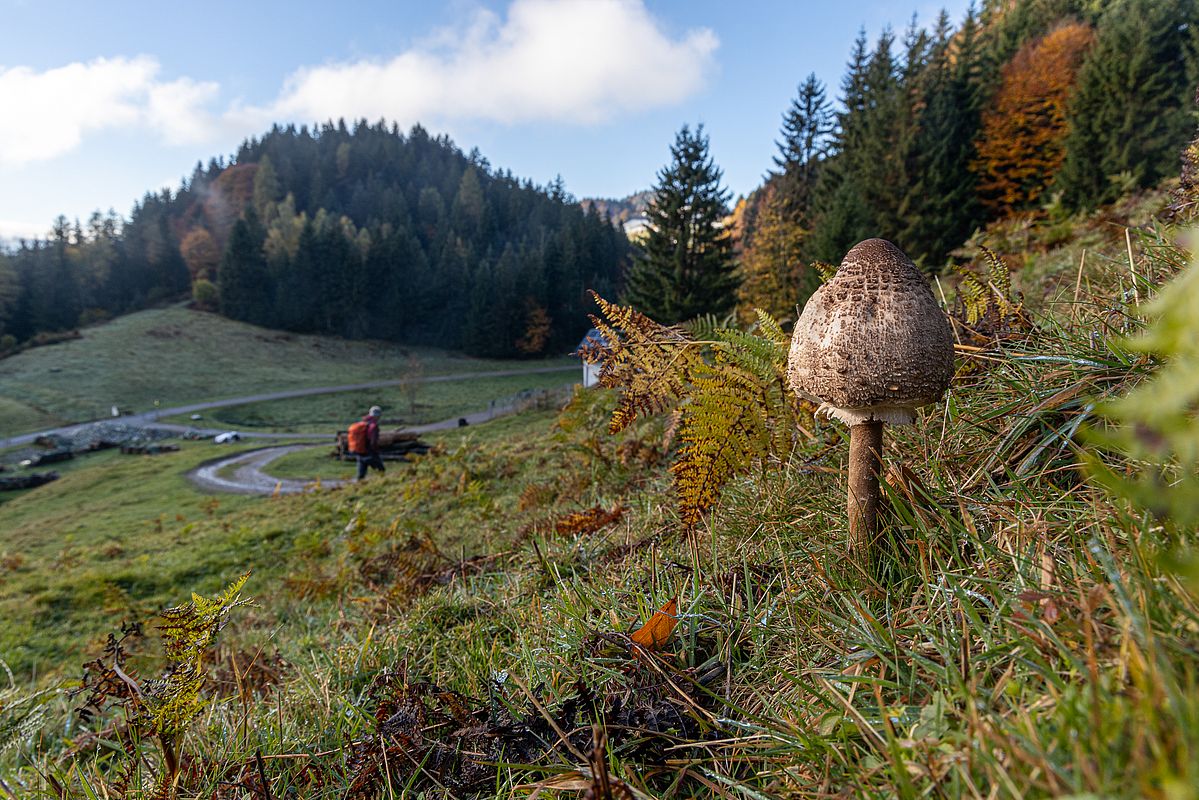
column 871, row 346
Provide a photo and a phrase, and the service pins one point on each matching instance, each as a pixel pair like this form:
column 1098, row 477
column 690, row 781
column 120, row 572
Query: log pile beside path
column 394, row 445
column 16, row 482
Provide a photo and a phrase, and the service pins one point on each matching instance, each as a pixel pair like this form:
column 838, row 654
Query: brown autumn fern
column 730, row 391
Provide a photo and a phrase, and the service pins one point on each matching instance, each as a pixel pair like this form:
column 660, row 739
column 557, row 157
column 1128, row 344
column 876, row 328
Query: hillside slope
column 174, row 356
column 457, row 629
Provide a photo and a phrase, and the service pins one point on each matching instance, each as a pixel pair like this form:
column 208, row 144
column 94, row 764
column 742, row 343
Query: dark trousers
column 371, row 460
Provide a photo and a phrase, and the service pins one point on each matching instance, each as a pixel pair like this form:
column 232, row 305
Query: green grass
column 177, row 356
column 330, row 412
column 126, row 531
column 114, row 534
column 1023, row 633
column 17, row 416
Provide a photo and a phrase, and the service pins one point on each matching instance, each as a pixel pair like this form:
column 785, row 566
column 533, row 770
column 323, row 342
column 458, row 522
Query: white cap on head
column 374, row 412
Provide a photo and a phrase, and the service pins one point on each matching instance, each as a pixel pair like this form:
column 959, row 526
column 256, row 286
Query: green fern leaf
column 769, row 327
column 724, row 431
column 648, row 361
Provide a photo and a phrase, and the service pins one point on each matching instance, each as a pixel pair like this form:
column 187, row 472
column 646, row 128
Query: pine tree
column 245, row 288
column 686, row 266
column 1130, row 113
column 859, row 193
column 940, row 208
column 807, row 125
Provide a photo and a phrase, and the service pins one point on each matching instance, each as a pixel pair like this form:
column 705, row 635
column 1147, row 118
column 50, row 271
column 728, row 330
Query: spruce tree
column 245, row 289
column 807, row 125
column 685, row 267
column 859, row 192
column 1130, row 112
column 940, row 207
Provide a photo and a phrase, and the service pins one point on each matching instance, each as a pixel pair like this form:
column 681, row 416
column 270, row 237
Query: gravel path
column 248, row 476
column 150, row 418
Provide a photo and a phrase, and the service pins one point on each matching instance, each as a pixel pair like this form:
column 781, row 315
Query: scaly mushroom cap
column 872, row 344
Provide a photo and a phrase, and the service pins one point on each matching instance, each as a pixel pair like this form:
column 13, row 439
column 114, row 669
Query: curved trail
column 150, row 419
column 249, row 478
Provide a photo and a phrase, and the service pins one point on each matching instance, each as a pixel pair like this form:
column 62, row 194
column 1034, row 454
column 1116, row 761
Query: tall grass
column 1029, row 631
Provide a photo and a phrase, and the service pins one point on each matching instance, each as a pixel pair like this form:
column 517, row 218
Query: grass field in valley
column 129, row 531
column 176, row 356
column 434, row 401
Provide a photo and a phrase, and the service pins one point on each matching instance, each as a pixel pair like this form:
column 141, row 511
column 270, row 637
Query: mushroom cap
column 872, row 344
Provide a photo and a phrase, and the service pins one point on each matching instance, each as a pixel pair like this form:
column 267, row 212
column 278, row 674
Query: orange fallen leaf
column 653, row 634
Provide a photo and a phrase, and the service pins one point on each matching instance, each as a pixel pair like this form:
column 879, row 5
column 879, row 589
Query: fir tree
column 245, row 290
column 807, row 125
column 940, row 208
column 1130, row 112
column 686, row 266
column 859, row 193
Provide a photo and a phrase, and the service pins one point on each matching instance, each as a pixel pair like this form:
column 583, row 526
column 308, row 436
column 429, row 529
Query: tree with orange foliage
column 200, row 253
column 1021, row 146
column 772, row 266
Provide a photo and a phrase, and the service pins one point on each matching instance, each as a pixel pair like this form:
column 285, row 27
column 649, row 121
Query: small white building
column 637, row 228
column 590, row 371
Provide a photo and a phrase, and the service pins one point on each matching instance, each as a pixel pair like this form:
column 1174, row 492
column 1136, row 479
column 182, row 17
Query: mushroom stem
column 865, row 459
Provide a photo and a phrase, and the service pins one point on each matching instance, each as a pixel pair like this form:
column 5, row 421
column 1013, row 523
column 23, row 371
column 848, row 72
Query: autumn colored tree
column 771, row 262
column 200, row 253
column 538, row 327
column 1131, row 111
column 1022, row 143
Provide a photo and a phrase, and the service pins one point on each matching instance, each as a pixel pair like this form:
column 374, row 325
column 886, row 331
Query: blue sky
column 100, row 102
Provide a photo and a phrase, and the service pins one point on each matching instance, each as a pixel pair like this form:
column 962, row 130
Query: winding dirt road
column 244, row 472
column 150, row 418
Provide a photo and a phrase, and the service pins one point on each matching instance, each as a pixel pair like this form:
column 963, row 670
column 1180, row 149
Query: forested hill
column 358, row 231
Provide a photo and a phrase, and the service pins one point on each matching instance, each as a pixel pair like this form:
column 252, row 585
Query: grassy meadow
column 430, row 402
column 177, row 356
column 458, row 626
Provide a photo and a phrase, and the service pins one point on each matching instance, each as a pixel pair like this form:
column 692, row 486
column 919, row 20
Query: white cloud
column 177, row 110
column 575, row 61
column 12, row 230
column 48, row 113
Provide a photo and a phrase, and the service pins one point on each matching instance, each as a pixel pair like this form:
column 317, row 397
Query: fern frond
column 1000, row 278
column 171, row 702
column 724, row 431
column 824, row 270
column 704, row 327
column 765, row 358
column 769, row 327
column 189, row 629
column 730, row 392
column 973, row 296
column 648, row 361
column 986, row 303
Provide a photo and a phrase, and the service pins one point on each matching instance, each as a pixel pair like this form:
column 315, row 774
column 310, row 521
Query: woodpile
column 394, row 445
column 26, row 481
column 148, row 449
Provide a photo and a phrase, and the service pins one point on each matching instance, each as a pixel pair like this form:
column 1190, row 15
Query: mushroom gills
column 890, row 414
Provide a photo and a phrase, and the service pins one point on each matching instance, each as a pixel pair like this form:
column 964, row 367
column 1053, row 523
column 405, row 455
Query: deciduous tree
column 1022, row 143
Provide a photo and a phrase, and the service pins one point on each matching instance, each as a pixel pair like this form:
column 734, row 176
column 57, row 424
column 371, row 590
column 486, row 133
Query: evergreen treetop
column 685, row 267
